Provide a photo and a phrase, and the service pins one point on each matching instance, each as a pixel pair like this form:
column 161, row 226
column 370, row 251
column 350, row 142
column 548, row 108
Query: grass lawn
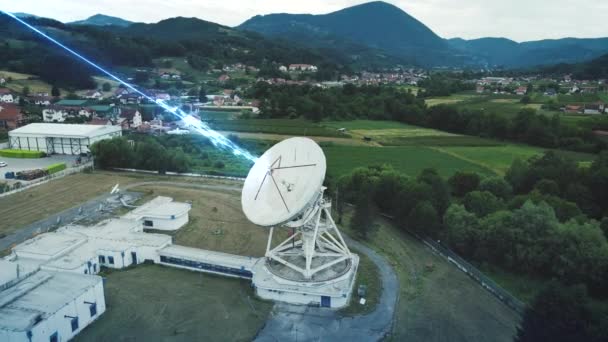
column 409, row 160
column 452, row 99
column 14, row 75
column 368, row 275
column 156, row 303
column 437, row 302
column 36, row 86
column 366, row 125
column 521, row 286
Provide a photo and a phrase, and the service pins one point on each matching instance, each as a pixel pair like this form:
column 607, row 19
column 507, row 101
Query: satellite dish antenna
column 115, row 189
column 285, row 188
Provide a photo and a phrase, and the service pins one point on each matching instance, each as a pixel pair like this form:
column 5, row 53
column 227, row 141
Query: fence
column 43, row 180
column 195, row 175
column 503, row 295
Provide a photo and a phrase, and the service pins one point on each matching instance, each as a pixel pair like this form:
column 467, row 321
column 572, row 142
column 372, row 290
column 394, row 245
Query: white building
column 60, row 114
column 161, row 213
column 47, row 306
column 60, row 138
column 7, row 98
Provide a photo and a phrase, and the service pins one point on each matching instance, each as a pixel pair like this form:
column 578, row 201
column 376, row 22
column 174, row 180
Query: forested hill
column 206, row 44
column 592, row 70
column 377, row 25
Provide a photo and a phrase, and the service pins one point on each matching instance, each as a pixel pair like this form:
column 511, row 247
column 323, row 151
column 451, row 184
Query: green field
column 202, row 307
column 366, row 124
column 342, row 160
column 452, row 99
column 276, row 126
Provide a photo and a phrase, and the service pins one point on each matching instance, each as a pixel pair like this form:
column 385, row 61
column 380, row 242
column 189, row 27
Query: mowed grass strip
column 407, row 159
column 157, row 303
column 276, row 126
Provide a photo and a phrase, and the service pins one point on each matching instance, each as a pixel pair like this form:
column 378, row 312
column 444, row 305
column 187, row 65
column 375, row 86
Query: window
column 54, row 337
column 148, row 223
column 93, row 309
column 102, row 259
column 111, row 260
column 74, row 323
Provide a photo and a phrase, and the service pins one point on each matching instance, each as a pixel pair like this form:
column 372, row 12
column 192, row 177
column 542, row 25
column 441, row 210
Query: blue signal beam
column 216, row 138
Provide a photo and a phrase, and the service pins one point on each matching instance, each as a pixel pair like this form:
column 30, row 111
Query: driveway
column 302, row 323
column 19, row 164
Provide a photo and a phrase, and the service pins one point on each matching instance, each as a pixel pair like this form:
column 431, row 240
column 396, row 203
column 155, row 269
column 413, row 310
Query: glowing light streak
column 217, row 139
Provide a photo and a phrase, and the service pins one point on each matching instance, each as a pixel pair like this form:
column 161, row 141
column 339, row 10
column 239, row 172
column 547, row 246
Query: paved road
column 302, row 323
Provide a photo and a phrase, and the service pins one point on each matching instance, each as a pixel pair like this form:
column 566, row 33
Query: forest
column 535, row 221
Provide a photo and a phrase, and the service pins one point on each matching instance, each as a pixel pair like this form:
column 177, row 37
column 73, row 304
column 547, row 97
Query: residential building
column 521, row 90
column 10, row 116
column 302, row 67
column 6, row 96
column 573, row 109
column 55, row 113
column 42, row 100
column 132, row 117
column 594, row 108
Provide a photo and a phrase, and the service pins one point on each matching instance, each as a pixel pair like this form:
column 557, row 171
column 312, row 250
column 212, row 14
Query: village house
column 594, row 108
column 93, row 95
column 480, row 89
column 6, row 96
column 283, row 68
column 521, row 90
column 573, row 109
column 224, row 78
column 56, row 113
column 2, row 81
column 132, row 117
column 302, row 67
column 10, row 116
column 41, row 100
column 131, row 98
column 162, row 96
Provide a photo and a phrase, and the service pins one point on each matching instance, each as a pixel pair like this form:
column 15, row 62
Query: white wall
column 59, row 323
column 167, row 223
column 299, row 298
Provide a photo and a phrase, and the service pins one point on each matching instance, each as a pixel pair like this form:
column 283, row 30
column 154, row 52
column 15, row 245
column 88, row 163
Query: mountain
column 591, row 70
column 507, row 53
column 103, row 20
column 25, row 15
column 377, row 25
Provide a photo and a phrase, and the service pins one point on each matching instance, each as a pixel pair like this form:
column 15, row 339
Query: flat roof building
column 60, row 138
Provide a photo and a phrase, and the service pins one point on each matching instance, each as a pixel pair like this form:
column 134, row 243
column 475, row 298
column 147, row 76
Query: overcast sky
column 520, row 20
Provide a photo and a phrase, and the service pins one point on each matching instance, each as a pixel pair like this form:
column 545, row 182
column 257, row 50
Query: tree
column 202, row 95
column 106, row 87
column 362, row 221
column 55, row 92
column 547, row 187
column 557, row 314
column 497, row 186
column 482, row 203
column 25, row 91
column 424, row 219
column 461, row 229
column 462, row 183
column 440, row 191
column 526, row 99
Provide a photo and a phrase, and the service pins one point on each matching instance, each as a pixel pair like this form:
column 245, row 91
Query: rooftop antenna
column 284, row 188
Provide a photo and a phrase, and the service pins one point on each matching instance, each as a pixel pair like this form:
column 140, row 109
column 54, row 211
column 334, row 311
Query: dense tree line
column 443, row 85
column 542, row 219
column 348, row 102
column 144, row 154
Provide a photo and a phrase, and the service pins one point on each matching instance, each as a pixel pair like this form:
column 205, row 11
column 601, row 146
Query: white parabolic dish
column 284, row 181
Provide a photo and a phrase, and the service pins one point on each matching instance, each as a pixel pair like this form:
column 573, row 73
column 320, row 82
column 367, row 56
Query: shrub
column 21, row 154
column 56, row 168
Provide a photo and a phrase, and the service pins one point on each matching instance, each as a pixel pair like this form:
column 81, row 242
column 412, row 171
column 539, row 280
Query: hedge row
column 56, row 168
column 21, row 154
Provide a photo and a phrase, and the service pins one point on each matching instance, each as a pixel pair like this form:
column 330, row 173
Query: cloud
column 516, row 19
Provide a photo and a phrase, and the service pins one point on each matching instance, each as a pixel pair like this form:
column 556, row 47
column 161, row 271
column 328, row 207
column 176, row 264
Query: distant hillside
column 591, row 70
column 507, row 53
column 103, row 20
column 377, row 25
column 25, row 15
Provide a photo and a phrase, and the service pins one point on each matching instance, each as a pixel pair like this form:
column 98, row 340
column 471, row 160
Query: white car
column 3, row 164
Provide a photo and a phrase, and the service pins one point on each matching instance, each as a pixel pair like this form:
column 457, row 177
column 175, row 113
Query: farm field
column 409, row 160
column 437, row 302
column 452, row 99
column 500, row 158
column 152, row 303
column 276, row 126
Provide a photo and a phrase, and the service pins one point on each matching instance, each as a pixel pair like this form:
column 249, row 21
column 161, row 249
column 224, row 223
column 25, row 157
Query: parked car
column 3, row 164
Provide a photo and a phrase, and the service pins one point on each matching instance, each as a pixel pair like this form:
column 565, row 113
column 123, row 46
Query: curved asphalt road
column 303, row 323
